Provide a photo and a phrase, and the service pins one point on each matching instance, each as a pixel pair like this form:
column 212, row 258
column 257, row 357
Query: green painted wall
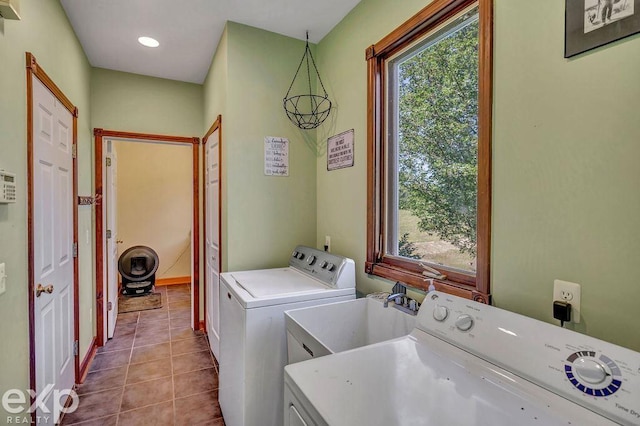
column 566, row 200
column 215, row 85
column 136, row 103
column 44, row 31
column 265, row 216
column 565, row 177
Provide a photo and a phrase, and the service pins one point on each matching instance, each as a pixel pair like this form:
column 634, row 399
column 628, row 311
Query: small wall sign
column 276, row 156
column 340, row 152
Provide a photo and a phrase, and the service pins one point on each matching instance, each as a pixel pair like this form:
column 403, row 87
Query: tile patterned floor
column 155, row 371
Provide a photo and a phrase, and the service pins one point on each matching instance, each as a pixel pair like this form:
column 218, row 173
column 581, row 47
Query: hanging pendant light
column 307, row 110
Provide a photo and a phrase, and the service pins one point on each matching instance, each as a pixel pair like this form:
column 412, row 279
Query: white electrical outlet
column 327, row 242
column 566, row 291
column 3, row 278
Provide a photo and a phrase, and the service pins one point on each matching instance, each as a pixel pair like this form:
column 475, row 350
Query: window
column 430, row 150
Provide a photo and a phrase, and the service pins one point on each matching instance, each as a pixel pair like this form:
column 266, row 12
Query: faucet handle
column 413, row 305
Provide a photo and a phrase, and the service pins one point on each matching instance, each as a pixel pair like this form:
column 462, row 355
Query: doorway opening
column 134, row 173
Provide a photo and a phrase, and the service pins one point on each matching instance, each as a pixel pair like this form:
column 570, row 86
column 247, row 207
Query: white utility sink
column 322, row 330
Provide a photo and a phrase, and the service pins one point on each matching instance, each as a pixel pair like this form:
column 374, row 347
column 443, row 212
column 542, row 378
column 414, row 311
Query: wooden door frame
column 34, row 69
column 99, row 136
column 217, row 125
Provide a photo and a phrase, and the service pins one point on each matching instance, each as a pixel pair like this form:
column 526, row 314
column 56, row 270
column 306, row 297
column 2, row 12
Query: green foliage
column 406, row 248
column 438, row 133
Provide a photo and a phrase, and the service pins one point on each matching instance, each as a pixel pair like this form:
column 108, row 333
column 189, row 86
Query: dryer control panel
column 336, row 271
column 598, row 375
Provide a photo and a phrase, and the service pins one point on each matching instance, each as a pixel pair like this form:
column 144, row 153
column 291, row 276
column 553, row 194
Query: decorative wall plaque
column 276, row 156
column 340, row 151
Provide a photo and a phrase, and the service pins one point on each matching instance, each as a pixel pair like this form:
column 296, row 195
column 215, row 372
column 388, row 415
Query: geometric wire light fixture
column 306, row 110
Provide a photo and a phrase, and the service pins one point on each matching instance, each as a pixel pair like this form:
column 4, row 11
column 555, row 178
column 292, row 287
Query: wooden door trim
column 34, row 69
column 86, row 362
column 99, row 136
column 217, row 125
column 196, row 234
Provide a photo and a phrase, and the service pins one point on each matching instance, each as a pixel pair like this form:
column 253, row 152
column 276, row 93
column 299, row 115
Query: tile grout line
column 136, row 383
column 126, row 376
column 173, row 380
column 145, row 406
column 92, row 420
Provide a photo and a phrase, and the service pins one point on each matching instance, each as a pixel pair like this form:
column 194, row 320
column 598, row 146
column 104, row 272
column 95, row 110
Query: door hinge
column 75, row 249
column 108, row 161
column 108, row 234
column 76, row 351
column 74, row 150
column 109, row 306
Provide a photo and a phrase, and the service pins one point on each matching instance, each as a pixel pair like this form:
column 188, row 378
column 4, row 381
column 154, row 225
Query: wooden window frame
column 397, row 268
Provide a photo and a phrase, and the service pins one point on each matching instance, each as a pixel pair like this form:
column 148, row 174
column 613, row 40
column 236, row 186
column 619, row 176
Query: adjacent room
column 319, row 213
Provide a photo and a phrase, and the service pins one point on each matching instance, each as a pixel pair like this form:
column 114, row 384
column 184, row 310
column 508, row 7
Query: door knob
column 41, row 289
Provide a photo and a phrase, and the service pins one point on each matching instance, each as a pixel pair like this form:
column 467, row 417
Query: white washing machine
column 466, row 364
column 253, row 346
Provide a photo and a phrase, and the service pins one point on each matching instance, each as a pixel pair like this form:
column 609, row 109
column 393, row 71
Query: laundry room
column 538, row 219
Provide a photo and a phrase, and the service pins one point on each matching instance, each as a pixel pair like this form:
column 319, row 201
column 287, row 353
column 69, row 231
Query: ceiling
column 188, row 30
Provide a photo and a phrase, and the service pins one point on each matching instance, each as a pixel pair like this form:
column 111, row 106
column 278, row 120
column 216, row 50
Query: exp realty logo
column 17, row 403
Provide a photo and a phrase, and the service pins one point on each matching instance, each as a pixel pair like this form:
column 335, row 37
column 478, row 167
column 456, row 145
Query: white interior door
column 111, row 175
column 53, row 245
column 212, row 240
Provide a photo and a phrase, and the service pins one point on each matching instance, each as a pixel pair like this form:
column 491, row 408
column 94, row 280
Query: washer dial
column 592, row 374
column 464, row 322
column 440, row 313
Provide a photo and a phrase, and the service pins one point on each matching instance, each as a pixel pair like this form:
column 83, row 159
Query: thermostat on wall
column 7, row 187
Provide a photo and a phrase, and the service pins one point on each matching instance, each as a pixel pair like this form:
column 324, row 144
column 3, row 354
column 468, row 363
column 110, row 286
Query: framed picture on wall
column 593, row 23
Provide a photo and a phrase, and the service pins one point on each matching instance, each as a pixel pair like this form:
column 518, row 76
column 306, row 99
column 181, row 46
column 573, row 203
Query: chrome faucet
column 393, row 297
column 405, row 304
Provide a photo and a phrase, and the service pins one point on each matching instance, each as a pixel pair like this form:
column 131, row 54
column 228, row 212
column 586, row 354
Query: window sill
column 418, row 281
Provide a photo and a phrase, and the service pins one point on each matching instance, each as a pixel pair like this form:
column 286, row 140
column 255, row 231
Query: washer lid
column 422, row 380
column 276, row 282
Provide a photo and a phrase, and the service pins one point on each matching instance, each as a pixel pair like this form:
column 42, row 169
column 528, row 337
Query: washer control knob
column 331, row 267
column 311, row 260
column 440, row 313
column 295, row 254
column 323, row 264
column 464, row 322
column 590, row 371
column 300, row 255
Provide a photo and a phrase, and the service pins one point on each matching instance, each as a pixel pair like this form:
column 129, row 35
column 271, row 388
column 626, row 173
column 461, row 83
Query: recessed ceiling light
column 148, row 41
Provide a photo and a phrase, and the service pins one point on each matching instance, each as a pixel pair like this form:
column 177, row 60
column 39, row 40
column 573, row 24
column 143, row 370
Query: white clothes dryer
column 253, row 344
